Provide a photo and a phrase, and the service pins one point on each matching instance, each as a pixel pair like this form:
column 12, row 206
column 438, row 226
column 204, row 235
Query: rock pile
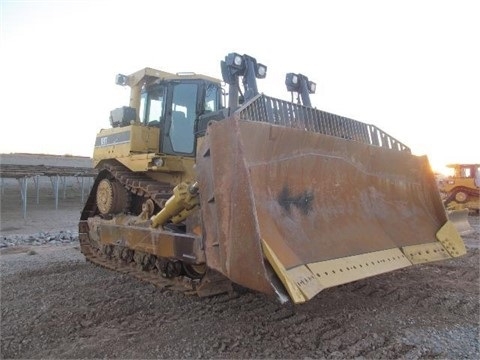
column 41, row 238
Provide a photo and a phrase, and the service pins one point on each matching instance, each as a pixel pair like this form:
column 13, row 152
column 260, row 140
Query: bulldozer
column 204, row 184
column 460, row 193
column 462, row 189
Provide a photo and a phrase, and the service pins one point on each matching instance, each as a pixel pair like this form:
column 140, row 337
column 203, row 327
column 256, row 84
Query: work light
column 235, row 60
column 292, row 82
column 261, row 71
column 121, row 79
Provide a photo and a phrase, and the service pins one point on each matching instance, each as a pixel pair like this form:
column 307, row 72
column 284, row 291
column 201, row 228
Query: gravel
column 41, row 238
column 54, row 304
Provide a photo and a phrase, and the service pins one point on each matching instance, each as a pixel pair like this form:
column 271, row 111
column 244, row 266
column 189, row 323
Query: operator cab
column 175, row 106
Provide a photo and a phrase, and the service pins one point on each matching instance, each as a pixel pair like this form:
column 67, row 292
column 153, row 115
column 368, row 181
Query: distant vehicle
column 462, row 189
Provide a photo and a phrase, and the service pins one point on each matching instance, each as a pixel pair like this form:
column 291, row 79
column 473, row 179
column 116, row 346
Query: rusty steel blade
column 298, row 198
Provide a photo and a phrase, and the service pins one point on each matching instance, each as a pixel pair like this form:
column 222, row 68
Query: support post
column 36, row 180
column 57, row 180
column 64, row 183
column 83, row 177
column 23, row 192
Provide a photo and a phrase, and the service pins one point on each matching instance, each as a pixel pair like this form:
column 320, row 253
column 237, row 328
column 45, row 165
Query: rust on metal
column 212, row 283
column 125, row 245
column 309, row 197
column 157, row 242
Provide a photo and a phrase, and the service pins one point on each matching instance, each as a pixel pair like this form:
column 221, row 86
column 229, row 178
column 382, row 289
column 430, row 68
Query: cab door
column 178, row 132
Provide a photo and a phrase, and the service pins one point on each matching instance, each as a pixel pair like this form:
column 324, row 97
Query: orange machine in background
column 462, row 189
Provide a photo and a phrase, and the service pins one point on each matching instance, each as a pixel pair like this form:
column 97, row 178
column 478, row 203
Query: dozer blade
column 460, row 219
column 319, row 210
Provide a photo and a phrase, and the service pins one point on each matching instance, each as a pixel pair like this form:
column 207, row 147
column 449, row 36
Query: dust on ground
column 56, row 305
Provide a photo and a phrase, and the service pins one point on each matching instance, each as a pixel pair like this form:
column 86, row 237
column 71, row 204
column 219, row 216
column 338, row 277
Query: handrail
column 263, row 108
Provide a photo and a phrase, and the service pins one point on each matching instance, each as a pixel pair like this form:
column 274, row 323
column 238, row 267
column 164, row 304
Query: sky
column 412, row 68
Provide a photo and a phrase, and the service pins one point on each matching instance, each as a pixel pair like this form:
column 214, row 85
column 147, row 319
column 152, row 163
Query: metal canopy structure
column 57, row 175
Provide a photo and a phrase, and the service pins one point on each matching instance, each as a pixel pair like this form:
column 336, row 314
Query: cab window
column 212, row 98
column 183, row 117
column 152, row 107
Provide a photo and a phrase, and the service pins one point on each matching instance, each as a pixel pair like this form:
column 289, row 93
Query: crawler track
column 106, row 257
column 472, row 194
column 144, row 266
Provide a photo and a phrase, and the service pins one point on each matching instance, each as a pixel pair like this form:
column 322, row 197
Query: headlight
column 121, row 79
column 312, row 87
column 237, row 60
column 261, row 71
column 292, row 82
column 158, row 162
column 234, row 60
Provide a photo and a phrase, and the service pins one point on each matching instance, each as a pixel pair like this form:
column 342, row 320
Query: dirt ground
column 56, row 305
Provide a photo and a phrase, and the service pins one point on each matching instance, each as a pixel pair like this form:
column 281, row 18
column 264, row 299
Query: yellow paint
column 451, row 240
column 305, row 281
column 295, row 294
column 347, row 269
column 423, row 253
column 142, row 139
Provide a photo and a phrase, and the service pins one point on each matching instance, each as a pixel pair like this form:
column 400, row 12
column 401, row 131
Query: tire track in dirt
column 73, row 309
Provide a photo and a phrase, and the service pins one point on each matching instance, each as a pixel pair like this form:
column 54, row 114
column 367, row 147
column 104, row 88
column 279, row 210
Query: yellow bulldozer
column 461, row 190
column 199, row 189
column 460, row 193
